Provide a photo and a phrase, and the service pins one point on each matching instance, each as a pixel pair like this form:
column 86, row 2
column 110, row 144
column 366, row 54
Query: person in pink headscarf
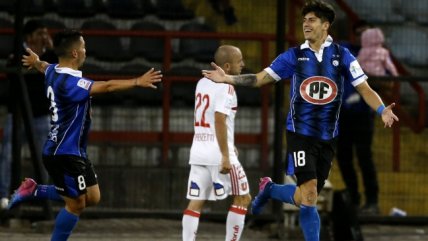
column 373, row 57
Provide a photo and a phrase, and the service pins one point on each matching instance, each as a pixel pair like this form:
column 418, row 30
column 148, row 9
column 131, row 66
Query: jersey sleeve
column 283, row 66
column 224, row 99
column 352, row 69
column 78, row 89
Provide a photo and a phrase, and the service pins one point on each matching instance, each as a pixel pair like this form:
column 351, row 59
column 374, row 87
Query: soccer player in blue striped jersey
column 64, row 153
column 318, row 69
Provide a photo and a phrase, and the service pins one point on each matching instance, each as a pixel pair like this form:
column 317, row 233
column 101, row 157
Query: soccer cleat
column 23, row 193
column 263, row 196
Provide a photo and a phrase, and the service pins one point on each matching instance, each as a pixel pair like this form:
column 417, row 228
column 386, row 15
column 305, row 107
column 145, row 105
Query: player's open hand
column 31, row 59
column 217, row 75
column 388, row 117
column 149, row 78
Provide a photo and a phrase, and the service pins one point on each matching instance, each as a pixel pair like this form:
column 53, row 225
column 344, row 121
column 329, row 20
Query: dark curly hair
column 321, row 9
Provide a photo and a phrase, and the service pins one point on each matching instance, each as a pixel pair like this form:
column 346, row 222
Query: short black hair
column 64, row 40
column 321, row 9
column 32, row 25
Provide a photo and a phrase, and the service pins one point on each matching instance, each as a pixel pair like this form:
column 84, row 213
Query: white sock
column 190, row 224
column 235, row 223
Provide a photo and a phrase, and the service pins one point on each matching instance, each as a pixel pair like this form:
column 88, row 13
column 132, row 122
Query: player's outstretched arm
column 254, row 80
column 375, row 102
column 146, row 80
column 388, row 117
column 32, row 61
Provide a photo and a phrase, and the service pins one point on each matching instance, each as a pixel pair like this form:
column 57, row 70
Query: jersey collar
column 65, row 70
column 328, row 41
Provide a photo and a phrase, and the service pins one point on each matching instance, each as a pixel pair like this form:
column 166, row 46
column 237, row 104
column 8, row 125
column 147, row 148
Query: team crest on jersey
column 318, row 90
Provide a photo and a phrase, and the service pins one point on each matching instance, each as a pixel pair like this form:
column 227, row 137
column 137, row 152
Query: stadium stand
column 6, row 42
column 367, row 9
column 125, row 8
column 173, row 10
column 151, row 49
column 416, row 10
column 108, row 48
column 75, row 8
column 183, row 93
column 199, row 49
column 404, row 47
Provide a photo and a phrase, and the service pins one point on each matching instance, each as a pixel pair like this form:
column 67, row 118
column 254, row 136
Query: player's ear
column 326, row 25
column 74, row 53
column 226, row 67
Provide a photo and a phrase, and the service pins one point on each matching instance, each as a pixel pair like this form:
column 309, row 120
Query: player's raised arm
column 255, row 80
column 33, row 61
column 146, row 80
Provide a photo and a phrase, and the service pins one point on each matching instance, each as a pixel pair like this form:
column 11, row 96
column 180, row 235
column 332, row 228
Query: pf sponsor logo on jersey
column 85, row 84
column 318, row 90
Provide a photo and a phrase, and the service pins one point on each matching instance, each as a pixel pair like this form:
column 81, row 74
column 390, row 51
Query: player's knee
column 309, row 192
column 247, row 200
column 93, row 200
column 297, row 197
column 310, row 198
column 93, row 196
column 196, row 205
column 242, row 201
column 76, row 205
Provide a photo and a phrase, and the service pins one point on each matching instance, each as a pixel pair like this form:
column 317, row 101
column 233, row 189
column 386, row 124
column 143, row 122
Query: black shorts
column 70, row 174
column 309, row 158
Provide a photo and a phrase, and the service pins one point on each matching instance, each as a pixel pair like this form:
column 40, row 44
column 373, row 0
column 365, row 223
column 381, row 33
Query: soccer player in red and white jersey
column 215, row 169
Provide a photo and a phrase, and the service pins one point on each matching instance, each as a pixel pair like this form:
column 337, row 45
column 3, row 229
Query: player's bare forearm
column 219, row 76
column 41, row 66
column 100, row 87
column 253, row 80
column 147, row 80
column 369, row 95
column 221, row 133
column 244, row 79
column 375, row 102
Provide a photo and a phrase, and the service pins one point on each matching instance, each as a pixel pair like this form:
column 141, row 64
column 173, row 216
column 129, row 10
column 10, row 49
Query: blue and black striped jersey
column 70, row 106
column 317, row 85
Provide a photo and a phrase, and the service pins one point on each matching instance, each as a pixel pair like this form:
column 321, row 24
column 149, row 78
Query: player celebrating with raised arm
column 215, row 169
column 64, row 153
column 318, row 69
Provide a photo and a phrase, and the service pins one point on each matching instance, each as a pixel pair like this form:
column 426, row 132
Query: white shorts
column 207, row 183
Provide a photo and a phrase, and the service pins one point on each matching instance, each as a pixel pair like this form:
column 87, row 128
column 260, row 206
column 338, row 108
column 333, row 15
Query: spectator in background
column 373, row 57
column 357, row 120
column 36, row 37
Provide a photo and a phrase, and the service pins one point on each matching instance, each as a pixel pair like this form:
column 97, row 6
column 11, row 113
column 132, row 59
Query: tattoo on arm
column 244, row 79
column 41, row 66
